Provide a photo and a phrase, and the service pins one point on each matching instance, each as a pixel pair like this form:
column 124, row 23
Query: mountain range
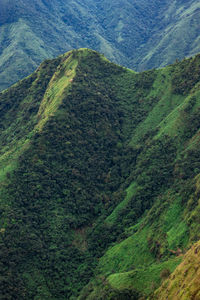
column 137, row 34
column 100, row 181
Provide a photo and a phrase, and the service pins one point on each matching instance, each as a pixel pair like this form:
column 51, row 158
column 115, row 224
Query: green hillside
column 99, row 178
column 137, row 34
column 183, row 283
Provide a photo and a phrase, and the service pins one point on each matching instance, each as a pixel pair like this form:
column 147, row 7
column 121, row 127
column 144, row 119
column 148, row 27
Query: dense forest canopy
column 99, row 178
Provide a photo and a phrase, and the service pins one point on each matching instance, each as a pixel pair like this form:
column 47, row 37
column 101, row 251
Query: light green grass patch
column 160, row 114
column 129, row 254
column 130, row 191
column 175, row 227
column 143, row 279
column 53, row 97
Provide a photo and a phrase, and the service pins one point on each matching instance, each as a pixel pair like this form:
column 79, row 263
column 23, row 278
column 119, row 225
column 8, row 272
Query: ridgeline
column 100, row 177
column 140, row 35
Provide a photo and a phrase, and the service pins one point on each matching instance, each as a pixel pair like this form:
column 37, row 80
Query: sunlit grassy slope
column 183, row 283
column 99, row 178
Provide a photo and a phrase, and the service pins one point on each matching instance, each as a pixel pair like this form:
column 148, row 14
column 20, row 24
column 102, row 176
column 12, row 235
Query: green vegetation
column 130, row 191
column 100, row 178
column 145, row 279
column 138, row 34
column 183, row 283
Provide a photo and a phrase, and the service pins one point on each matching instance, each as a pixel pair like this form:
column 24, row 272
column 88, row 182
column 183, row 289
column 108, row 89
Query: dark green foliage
column 66, row 174
column 75, row 169
column 111, row 294
column 188, row 165
column 153, row 171
column 185, row 75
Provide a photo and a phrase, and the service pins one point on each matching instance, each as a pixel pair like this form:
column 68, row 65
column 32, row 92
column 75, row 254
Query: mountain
column 100, row 179
column 138, row 34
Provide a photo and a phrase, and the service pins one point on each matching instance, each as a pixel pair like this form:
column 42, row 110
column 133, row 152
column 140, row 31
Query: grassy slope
column 103, row 177
column 183, row 283
column 19, row 113
column 139, row 261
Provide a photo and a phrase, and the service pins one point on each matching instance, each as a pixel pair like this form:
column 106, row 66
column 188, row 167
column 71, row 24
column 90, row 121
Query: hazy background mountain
column 137, row 34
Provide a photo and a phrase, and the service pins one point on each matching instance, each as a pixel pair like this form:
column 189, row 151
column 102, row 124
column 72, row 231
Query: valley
column 140, row 35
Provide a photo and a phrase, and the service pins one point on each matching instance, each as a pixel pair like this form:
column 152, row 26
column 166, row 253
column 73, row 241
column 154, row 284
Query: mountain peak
column 99, row 178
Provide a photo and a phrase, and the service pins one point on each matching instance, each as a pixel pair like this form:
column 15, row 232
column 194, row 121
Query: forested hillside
column 137, row 34
column 100, row 177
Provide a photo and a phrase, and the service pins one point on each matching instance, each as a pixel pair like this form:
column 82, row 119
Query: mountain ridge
column 139, row 35
column 99, row 178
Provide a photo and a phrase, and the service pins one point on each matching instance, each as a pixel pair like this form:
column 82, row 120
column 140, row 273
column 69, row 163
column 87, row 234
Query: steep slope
column 138, row 34
column 99, row 178
column 184, row 282
column 165, row 178
column 64, row 156
column 177, row 36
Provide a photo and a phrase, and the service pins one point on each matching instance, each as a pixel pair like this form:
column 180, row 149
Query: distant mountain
column 100, row 181
column 137, row 34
